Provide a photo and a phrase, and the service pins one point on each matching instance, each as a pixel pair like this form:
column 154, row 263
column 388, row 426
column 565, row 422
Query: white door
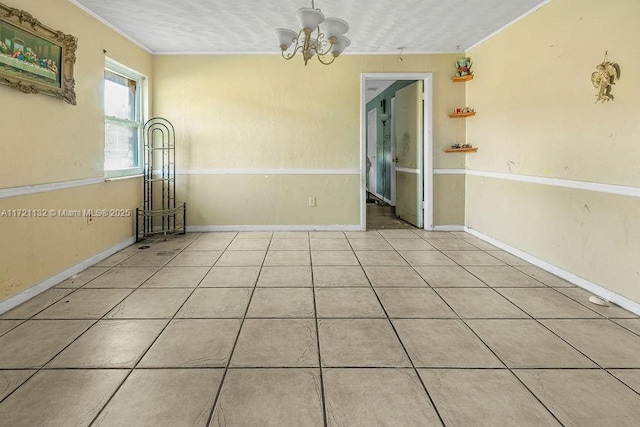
column 409, row 143
column 372, row 146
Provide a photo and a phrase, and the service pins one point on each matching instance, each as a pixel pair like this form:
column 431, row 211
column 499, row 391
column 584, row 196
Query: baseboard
column 27, row 294
column 448, row 228
column 615, row 298
column 208, row 228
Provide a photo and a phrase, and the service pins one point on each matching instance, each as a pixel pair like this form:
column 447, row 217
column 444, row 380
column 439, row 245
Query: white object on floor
column 604, row 293
column 598, row 301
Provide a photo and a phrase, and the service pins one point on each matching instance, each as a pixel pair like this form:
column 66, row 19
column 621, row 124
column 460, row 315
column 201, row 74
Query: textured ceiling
column 246, row 26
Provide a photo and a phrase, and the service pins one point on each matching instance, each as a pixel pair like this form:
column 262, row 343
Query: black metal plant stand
column 161, row 214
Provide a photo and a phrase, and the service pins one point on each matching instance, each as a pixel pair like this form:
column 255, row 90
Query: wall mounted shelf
column 462, row 115
column 462, row 78
column 461, row 150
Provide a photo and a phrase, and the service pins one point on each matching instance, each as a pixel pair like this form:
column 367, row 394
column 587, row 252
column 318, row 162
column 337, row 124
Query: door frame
column 392, row 193
column 427, row 111
column 371, row 137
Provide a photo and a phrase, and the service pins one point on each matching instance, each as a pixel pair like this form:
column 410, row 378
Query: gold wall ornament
column 606, row 74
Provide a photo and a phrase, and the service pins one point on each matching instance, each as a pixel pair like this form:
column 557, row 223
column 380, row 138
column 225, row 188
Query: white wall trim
column 41, row 188
column 622, row 190
column 504, row 27
column 623, row 302
column 448, row 228
column 278, row 53
column 216, row 53
column 404, row 53
column 268, row 172
column 557, row 182
column 31, row 292
column 407, row 170
column 208, row 228
column 449, row 171
column 394, row 76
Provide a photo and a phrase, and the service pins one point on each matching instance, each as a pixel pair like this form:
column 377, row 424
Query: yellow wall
column 449, row 191
column 45, row 140
column 35, row 249
column 253, row 112
column 536, row 116
column 270, row 199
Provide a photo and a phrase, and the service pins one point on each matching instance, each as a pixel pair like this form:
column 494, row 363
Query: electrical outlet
column 312, row 202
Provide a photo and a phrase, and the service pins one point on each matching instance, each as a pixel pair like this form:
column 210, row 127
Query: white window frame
column 139, row 115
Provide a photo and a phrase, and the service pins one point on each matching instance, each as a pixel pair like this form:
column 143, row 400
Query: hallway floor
column 390, row 327
column 383, row 216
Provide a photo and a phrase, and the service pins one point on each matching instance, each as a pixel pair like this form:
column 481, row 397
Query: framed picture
column 35, row 58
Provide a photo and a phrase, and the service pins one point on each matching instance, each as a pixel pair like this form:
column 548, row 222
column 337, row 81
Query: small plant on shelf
column 463, row 71
column 463, row 67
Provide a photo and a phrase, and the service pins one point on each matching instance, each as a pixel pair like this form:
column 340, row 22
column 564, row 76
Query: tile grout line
column 537, row 320
column 219, row 390
column 415, row 370
column 179, row 368
column 20, row 322
column 543, row 286
column 483, row 342
column 37, row 370
column 625, row 327
column 506, row 367
column 235, row 343
column 107, row 269
column 330, row 317
column 315, row 315
column 494, row 353
column 599, row 366
column 144, row 353
column 546, row 286
column 73, row 290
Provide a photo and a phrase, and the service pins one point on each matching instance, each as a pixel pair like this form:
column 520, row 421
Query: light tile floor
column 389, row 327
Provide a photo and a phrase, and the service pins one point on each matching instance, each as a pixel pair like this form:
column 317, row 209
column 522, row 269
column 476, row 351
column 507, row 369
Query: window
column 123, row 120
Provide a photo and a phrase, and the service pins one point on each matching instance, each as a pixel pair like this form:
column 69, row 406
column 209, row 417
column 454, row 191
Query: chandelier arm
column 319, row 41
column 293, row 53
column 289, row 55
column 296, row 48
column 333, row 58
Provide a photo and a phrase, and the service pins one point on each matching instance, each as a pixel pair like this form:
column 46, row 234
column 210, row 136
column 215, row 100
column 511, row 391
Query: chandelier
column 326, row 44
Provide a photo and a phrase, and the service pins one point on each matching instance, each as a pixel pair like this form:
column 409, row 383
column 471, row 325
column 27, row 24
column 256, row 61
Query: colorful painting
column 35, row 58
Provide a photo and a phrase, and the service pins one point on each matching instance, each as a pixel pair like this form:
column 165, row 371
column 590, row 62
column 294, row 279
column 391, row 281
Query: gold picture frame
column 35, row 58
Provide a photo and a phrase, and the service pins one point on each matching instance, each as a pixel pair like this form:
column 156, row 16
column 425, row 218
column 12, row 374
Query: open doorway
column 396, row 151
